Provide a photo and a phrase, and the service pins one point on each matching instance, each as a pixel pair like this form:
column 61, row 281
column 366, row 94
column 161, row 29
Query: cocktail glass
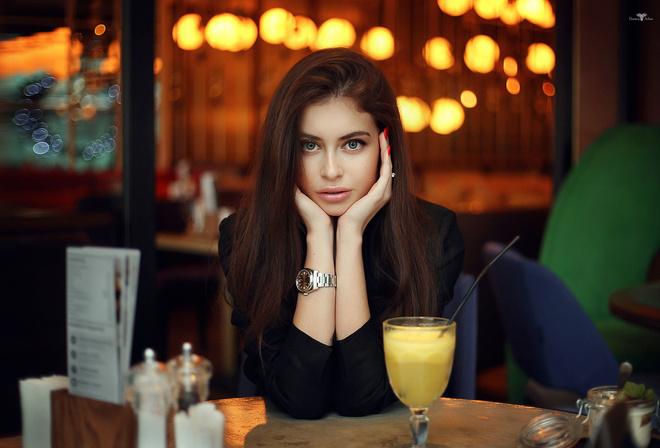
column 419, row 353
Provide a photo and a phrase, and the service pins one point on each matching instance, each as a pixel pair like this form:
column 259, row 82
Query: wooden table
column 188, row 243
column 255, row 422
column 639, row 305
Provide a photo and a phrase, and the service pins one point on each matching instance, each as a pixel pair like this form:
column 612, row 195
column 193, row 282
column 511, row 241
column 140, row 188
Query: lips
column 334, row 194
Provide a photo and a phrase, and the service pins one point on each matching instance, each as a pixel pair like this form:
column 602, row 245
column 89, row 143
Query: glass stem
column 419, row 427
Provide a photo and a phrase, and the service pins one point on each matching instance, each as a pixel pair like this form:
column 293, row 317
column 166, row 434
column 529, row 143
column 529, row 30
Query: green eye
column 308, row 145
column 354, row 144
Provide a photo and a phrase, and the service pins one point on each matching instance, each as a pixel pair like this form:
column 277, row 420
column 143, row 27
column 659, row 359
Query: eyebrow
column 348, row 136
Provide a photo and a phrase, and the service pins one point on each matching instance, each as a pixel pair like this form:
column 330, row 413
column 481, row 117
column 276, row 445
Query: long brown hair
column 269, row 244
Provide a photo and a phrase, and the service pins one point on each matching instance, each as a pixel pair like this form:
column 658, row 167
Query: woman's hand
column 315, row 219
column 356, row 218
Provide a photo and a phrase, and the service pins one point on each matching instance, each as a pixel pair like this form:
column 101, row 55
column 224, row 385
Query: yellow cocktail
column 419, row 353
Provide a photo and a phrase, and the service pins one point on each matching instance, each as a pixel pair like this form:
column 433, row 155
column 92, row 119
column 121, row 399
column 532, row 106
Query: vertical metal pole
column 137, row 53
column 564, row 96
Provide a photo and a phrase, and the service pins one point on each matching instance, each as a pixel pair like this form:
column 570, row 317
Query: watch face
column 304, row 281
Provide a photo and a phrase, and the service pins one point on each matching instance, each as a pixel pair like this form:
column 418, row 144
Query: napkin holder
column 79, row 421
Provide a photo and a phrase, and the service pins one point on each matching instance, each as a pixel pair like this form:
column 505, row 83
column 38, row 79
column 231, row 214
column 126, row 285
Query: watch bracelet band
column 322, row 280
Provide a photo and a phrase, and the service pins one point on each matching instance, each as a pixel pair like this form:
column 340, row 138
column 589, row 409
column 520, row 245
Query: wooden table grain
column 455, row 423
column 255, row 422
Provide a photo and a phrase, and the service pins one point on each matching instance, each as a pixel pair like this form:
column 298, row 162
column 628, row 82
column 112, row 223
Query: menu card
column 101, row 294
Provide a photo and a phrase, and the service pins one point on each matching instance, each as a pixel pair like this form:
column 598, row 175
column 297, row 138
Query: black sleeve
column 361, row 384
column 292, row 368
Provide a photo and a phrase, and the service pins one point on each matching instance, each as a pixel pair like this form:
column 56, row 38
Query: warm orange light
column 490, row 9
column 111, row 63
column 229, row 32
column 481, row 54
column 539, row 12
column 437, row 53
column 158, row 65
column 223, row 32
column 510, row 66
column 548, row 88
column 513, row 86
column 415, row 113
column 188, row 32
column 99, row 29
column 455, row 7
column 334, row 32
column 447, row 116
column 303, row 35
column 53, row 52
column 468, row 99
column 510, row 15
column 275, row 25
column 378, row 43
column 540, row 58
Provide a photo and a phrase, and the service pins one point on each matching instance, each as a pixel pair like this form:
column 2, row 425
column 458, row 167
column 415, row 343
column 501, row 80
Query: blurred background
column 128, row 124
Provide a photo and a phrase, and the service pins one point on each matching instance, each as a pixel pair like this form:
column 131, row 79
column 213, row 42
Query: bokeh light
column 415, row 113
column 510, row 66
column 468, row 99
column 548, row 88
column 481, row 54
column 275, row 25
column 447, row 116
column 378, row 43
column 438, row 54
column 335, row 32
column 490, row 9
column 303, row 34
column 540, row 58
column 538, row 12
column 188, row 32
column 455, row 7
column 513, row 86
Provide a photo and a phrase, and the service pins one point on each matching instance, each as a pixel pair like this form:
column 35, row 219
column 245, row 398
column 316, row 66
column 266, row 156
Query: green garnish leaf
column 638, row 391
column 634, row 390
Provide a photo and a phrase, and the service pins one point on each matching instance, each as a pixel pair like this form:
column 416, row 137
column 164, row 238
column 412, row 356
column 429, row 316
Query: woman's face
column 340, row 154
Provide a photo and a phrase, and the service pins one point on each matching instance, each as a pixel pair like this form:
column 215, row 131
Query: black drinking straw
column 481, row 274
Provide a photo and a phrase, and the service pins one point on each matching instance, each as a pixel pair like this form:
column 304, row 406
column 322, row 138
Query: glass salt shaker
column 150, row 392
column 191, row 374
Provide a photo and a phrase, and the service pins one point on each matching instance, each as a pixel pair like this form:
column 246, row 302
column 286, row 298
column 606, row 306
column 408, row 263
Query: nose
column 331, row 166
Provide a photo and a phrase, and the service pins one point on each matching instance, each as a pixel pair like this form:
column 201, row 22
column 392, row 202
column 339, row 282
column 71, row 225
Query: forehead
column 336, row 112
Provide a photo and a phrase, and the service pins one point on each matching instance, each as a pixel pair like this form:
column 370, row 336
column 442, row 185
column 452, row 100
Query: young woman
column 331, row 241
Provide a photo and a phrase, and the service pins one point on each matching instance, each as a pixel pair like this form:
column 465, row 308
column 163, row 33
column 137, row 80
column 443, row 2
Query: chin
column 335, row 210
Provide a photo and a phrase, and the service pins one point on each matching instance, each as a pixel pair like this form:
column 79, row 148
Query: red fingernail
column 386, row 131
column 389, row 149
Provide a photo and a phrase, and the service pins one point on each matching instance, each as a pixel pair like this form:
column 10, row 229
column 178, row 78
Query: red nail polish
column 386, row 131
column 389, row 149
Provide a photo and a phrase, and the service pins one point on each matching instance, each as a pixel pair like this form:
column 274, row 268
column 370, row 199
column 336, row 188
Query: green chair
column 604, row 230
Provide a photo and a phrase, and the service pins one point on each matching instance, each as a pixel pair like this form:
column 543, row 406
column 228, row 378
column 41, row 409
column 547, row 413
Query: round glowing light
column 275, row 25
column 188, row 32
column 490, row 9
column 549, row 88
column 510, row 66
column 455, row 7
column 303, row 34
column 540, row 58
column 539, row 12
column 99, row 29
column 447, row 116
column 415, row 113
column 437, row 53
column 378, row 43
column 335, row 32
column 510, row 15
column 513, row 86
column 481, row 54
column 468, row 99
column 223, row 32
column 249, row 32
